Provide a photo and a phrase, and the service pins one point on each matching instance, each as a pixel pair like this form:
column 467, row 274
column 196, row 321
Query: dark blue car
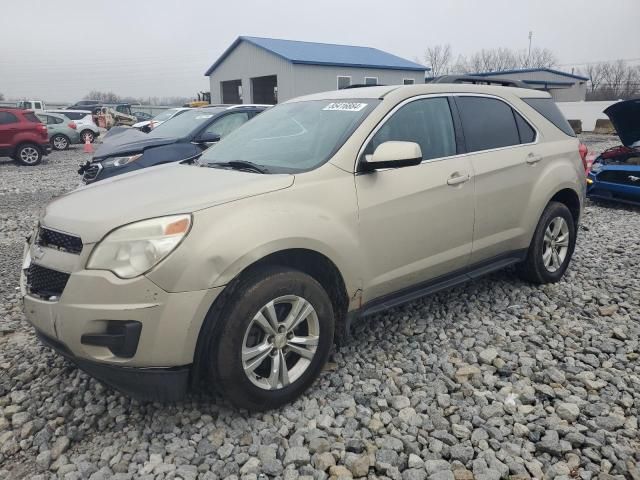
column 183, row 137
column 615, row 173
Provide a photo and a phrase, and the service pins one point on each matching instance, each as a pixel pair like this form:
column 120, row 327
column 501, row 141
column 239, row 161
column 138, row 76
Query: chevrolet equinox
column 238, row 270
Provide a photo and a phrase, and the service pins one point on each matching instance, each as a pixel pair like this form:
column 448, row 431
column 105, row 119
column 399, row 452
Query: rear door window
column 487, row 123
column 7, row 117
column 549, row 110
column 427, row 122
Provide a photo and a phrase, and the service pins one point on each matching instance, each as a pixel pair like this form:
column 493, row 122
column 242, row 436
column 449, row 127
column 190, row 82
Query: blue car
column 615, row 174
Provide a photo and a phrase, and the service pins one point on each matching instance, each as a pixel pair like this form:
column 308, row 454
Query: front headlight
column 136, row 248
column 596, row 167
column 120, row 161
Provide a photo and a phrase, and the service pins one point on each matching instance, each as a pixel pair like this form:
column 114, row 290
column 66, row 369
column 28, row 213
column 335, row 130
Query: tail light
column 43, row 130
column 72, row 125
column 583, row 150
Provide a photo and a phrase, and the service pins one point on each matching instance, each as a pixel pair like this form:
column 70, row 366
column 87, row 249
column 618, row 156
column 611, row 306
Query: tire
column 237, row 326
column 60, row 142
column 552, row 246
column 87, row 134
column 28, row 154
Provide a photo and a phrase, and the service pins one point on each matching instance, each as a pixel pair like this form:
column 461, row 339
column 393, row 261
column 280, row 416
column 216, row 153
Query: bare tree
column 539, row 58
column 438, row 58
column 596, row 73
column 106, row 97
column 1, row 97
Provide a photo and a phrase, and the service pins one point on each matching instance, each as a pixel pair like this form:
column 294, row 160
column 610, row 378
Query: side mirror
column 209, row 137
column 393, row 154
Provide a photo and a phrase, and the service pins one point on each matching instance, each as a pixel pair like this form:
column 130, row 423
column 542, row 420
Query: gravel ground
column 494, row 379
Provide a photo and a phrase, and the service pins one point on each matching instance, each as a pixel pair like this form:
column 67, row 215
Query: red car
column 22, row 136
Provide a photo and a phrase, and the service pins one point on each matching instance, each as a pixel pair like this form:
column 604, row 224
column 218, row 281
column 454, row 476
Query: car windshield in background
column 292, row 137
column 166, row 115
column 182, row 125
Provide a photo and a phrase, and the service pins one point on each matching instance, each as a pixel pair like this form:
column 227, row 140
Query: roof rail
column 478, row 80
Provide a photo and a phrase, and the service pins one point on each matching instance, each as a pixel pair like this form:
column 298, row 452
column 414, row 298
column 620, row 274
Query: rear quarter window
column 549, row 110
column 31, row 117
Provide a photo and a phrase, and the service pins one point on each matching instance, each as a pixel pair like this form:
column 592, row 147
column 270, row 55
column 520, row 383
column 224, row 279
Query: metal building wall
column 247, row 61
column 318, row 78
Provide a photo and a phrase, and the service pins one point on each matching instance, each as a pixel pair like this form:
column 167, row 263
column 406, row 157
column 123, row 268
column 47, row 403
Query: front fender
column 228, row 238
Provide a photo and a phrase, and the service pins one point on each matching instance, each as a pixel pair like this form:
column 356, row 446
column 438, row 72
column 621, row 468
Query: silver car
column 62, row 131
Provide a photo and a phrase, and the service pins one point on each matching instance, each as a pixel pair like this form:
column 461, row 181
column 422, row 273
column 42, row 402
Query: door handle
column 533, row 159
column 457, row 178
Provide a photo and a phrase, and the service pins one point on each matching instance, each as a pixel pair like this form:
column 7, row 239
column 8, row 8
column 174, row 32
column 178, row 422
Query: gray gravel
column 494, row 379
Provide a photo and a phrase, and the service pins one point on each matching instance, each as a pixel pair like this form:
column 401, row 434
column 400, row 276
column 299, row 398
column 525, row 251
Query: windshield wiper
column 239, row 165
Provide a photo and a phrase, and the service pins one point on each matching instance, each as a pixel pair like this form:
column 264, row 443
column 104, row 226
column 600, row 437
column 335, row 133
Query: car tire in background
column 87, row 135
column 552, row 246
column 268, row 340
column 28, row 154
column 60, row 142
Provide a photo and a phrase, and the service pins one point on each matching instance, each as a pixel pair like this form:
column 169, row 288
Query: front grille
column 620, row 176
column 91, row 172
column 44, row 282
column 60, row 241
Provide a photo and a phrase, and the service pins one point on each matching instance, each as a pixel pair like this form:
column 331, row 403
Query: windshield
column 184, row 124
column 292, row 137
column 166, row 115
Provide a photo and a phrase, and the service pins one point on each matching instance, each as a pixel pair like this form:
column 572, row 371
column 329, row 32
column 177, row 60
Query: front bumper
column 611, row 191
column 144, row 384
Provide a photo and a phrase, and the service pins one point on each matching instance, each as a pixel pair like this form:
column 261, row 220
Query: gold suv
column 239, row 270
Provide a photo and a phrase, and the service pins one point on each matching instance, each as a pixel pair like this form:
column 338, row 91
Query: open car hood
column 625, row 117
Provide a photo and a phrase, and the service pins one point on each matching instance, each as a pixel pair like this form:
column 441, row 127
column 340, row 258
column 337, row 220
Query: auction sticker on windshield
column 202, row 117
column 345, row 106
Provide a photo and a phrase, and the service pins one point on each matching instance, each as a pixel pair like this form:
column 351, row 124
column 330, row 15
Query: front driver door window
column 414, row 226
column 227, row 124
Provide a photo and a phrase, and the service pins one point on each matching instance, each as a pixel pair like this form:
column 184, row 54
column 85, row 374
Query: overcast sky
column 59, row 50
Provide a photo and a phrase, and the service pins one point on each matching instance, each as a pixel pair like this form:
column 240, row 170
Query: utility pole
column 529, row 54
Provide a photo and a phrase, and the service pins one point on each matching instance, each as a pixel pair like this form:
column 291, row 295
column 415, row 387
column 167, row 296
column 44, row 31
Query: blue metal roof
column 528, row 70
column 310, row 53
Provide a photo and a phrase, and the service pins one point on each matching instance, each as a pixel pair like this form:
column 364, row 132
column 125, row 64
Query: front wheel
column 60, row 142
column 552, row 246
column 271, row 340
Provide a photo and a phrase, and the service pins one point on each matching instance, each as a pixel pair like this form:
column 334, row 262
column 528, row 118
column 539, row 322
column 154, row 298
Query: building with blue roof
column 270, row 70
column 563, row 86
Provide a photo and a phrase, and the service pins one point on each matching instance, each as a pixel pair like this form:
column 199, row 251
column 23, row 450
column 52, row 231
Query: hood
column 129, row 140
column 94, row 210
column 141, row 124
column 625, row 117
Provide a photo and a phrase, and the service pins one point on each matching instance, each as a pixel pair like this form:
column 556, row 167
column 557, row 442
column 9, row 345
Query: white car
column 84, row 120
column 168, row 114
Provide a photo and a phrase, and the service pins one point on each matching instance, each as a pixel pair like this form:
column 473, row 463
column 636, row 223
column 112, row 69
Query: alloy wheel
column 87, row 136
column 29, row 155
column 60, row 143
column 555, row 244
column 280, row 342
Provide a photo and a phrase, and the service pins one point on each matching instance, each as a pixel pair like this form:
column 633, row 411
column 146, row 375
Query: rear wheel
column 87, row 135
column 28, row 154
column 272, row 338
column 60, row 142
column 552, row 246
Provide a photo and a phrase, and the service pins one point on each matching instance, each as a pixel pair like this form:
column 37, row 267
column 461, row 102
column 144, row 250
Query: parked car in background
column 142, row 116
column 241, row 269
column 184, row 137
column 84, row 121
column 85, row 105
column 151, row 123
column 615, row 173
column 35, row 105
column 23, row 136
column 62, row 131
